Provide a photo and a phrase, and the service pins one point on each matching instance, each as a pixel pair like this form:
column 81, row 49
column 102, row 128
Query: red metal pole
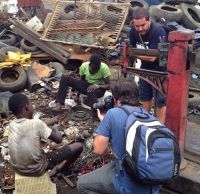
column 178, row 81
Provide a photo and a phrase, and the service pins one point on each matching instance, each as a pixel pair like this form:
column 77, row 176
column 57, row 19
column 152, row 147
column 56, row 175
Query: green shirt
column 97, row 78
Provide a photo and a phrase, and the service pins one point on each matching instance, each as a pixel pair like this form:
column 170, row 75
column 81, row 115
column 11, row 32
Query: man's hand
column 100, row 116
column 92, row 88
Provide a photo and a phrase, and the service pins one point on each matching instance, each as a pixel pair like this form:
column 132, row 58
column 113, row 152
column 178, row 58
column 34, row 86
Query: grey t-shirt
column 24, row 140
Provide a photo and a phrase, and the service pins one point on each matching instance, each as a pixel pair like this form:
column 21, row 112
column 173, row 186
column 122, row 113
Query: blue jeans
column 147, row 92
column 98, row 181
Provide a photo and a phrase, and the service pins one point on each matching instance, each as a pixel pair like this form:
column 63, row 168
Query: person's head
column 141, row 20
column 125, row 92
column 95, row 63
column 20, row 106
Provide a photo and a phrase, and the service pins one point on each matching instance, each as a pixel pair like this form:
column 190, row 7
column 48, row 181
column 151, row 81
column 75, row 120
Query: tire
column 12, row 79
column 193, row 99
column 9, row 39
column 168, row 12
column 197, row 58
column 191, row 16
column 176, row 2
column 27, row 46
column 5, row 50
column 139, row 3
column 68, row 13
column 3, row 44
column 60, row 70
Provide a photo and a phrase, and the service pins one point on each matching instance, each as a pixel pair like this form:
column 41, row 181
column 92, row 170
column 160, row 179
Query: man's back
column 114, row 128
column 27, row 156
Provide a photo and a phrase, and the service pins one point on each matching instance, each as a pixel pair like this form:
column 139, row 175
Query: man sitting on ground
column 94, row 82
column 24, row 141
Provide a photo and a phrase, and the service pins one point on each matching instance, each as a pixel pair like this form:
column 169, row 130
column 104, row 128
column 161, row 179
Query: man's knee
column 76, row 148
column 64, row 79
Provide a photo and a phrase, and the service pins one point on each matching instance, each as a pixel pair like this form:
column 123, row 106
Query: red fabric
column 29, row 3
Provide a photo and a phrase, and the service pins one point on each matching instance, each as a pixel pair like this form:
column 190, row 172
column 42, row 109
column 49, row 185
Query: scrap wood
column 52, row 49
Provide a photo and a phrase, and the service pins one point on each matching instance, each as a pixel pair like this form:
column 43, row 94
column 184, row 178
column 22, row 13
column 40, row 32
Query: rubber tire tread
column 176, row 2
column 139, row 2
column 195, row 100
column 4, row 50
column 16, row 85
column 11, row 39
column 187, row 20
column 58, row 67
column 157, row 12
column 28, row 48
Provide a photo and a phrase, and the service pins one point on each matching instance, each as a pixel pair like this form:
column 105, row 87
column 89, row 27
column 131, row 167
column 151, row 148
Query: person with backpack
column 147, row 34
column 112, row 177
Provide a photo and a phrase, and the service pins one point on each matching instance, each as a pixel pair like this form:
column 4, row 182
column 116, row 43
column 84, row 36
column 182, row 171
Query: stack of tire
column 182, row 11
column 11, row 79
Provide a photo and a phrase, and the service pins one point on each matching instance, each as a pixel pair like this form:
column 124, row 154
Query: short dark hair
column 95, row 60
column 126, row 91
column 140, row 13
column 17, row 102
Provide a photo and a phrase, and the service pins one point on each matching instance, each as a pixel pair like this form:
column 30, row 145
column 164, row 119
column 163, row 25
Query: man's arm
column 55, row 135
column 82, row 77
column 100, row 144
column 105, row 86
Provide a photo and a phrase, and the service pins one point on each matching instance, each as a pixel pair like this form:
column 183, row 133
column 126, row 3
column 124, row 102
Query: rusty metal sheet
column 29, row 3
column 88, row 24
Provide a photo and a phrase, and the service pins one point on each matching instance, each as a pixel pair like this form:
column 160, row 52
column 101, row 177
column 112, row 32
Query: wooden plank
column 40, row 44
column 36, row 36
column 51, row 48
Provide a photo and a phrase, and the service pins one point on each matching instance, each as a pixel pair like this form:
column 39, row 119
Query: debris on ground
column 56, row 47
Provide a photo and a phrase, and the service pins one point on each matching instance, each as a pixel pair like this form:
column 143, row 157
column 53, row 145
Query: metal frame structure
column 95, row 24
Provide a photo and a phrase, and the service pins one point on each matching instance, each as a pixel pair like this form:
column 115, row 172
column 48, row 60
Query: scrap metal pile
column 71, row 31
column 75, row 125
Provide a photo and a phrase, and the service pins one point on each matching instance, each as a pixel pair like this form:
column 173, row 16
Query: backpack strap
column 131, row 110
column 125, row 110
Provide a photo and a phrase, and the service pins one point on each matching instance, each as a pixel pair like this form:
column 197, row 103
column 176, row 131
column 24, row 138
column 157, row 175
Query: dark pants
column 79, row 85
column 67, row 152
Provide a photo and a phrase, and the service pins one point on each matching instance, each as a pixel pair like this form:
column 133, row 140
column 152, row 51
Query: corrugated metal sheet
column 29, row 3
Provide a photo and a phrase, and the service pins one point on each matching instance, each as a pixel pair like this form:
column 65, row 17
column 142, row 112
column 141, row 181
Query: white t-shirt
column 24, row 140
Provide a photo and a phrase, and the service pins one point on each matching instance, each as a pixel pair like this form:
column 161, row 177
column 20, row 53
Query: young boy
column 24, row 141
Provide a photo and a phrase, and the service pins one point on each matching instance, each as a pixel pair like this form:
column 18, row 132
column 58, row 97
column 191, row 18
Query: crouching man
column 24, row 141
column 112, row 178
column 94, row 82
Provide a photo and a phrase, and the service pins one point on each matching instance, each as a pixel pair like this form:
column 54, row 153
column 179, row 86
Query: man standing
column 146, row 34
column 24, row 141
column 94, row 82
column 112, row 178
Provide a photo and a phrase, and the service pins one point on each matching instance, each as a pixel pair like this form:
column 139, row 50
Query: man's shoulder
column 85, row 64
column 104, row 65
column 157, row 27
column 132, row 31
